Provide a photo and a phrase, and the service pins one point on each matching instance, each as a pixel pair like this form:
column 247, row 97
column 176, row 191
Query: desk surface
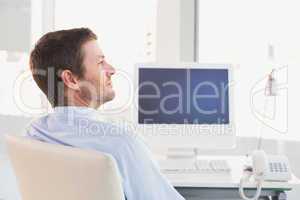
column 189, row 182
column 208, row 181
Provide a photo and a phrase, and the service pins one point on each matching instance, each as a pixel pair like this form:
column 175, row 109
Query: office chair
column 55, row 172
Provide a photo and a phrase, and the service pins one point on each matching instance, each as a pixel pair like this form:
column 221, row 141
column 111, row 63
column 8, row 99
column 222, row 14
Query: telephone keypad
column 277, row 167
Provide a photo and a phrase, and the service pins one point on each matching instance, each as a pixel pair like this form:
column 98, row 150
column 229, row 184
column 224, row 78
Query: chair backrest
column 55, row 172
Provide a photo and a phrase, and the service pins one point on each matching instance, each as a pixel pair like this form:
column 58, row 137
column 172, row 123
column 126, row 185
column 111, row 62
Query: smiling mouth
column 109, row 84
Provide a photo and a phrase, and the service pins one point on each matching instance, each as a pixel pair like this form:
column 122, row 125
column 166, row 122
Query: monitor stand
column 181, row 153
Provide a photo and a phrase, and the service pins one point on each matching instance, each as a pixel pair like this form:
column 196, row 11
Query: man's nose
column 110, row 70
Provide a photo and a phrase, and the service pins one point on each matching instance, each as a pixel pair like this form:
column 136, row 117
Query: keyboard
column 199, row 166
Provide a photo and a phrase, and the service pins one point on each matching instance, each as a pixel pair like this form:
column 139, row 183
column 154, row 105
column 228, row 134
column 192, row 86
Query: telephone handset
column 271, row 168
column 265, row 168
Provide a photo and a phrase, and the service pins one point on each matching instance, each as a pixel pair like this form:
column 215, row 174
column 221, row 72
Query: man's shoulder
column 37, row 121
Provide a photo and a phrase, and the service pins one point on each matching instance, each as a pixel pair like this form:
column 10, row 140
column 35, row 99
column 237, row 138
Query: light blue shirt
column 81, row 127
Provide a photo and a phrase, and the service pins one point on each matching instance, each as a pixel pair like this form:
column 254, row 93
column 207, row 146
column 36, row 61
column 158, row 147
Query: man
column 70, row 68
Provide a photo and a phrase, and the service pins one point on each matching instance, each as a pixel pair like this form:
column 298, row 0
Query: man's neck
column 80, row 102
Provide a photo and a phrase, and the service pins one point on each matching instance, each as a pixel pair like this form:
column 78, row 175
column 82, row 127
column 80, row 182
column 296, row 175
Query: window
column 244, row 33
column 126, row 33
column 22, row 26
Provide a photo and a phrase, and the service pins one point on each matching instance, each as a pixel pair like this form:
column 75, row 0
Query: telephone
column 265, row 168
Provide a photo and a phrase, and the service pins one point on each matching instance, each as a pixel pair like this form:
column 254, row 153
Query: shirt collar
column 80, row 111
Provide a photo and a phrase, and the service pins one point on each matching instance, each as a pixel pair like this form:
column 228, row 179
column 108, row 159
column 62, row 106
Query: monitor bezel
column 165, row 137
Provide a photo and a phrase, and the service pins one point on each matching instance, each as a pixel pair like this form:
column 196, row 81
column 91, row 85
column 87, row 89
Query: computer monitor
column 185, row 105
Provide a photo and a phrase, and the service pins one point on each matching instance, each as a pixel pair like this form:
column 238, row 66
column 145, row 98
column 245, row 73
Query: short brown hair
column 55, row 52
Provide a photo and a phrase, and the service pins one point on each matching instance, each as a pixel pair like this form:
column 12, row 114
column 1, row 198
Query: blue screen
column 183, row 96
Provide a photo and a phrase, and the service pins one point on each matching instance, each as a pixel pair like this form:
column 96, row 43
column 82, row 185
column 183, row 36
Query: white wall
column 239, row 32
column 126, row 32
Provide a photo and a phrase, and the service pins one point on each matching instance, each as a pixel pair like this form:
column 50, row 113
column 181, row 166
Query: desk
column 202, row 193
column 229, row 191
column 199, row 187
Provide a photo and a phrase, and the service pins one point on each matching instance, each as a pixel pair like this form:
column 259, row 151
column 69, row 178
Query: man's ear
column 69, row 79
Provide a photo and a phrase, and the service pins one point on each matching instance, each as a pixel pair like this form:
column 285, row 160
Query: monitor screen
column 183, row 96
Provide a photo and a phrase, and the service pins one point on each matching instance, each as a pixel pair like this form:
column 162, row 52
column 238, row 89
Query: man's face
column 96, row 84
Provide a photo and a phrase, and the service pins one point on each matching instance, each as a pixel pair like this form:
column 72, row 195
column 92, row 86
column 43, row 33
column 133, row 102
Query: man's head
column 70, row 68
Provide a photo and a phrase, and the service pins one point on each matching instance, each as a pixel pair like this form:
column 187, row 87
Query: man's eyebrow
column 100, row 56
